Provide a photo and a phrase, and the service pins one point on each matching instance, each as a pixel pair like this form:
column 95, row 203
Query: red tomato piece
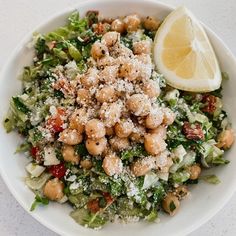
column 56, row 122
column 58, row 171
column 93, row 205
column 210, row 103
column 108, row 197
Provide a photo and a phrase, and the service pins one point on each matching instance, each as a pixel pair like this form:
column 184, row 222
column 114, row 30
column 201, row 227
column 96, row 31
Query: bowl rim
column 23, row 42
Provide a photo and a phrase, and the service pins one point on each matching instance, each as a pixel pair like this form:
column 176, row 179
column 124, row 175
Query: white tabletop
column 17, row 17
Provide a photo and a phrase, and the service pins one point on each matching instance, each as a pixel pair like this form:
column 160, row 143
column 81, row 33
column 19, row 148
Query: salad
column 102, row 129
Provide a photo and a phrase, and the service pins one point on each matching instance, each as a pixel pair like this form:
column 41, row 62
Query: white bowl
column 205, row 201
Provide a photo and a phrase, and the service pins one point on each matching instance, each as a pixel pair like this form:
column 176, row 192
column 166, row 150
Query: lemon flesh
column 184, row 55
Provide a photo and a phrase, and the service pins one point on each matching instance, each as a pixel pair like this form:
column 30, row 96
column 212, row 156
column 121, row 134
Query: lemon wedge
column 184, row 55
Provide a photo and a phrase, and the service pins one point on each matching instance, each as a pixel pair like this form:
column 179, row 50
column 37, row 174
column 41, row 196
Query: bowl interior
column 205, row 199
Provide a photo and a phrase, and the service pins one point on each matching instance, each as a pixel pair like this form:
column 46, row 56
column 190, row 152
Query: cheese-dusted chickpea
column 53, row 189
column 106, row 94
column 160, row 131
column 154, row 144
column 129, row 71
column 124, row 128
column 69, row 155
column 150, row 23
column 70, row 137
column 154, row 119
column 90, row 79
column 226, row 139
column 137, row 134
column 83, row 96
column 118, row 26
column 78, row 119
column 139, row 104
column 151, row 88
column 181, row 192
column 95, row 129
column 142, row 47
column 112, row 164
column 119, row 144
column 110, row 38
column 86, row 164
column 171, row 204
column 142, row 166
column 96, row 147
column 99, row 50
column 144, row 58
column 168, row 116
column 108, row 74
column 110, row 113
column 132, row 22
column 195, row 171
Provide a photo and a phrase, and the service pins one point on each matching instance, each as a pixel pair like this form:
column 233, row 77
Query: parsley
column 39, row 201
column 81, row 150
column 20, row 106
column 172, row 206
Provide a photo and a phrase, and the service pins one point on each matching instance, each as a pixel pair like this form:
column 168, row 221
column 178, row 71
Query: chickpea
column 118, row 26
column 86, row 164
column 195, row 171
column 150, row 23
column 110, row 38
column 78, row 119
column 138, row 134
column 142, row 166
column 171, row 204
column 108, row 74
column 169, row 116
column 53, row 189
column 98, row 50
column 95, row 129
column 110, row 113
column 97, row 146
column 153, row 120
column 83, row 96
column 142, row 47
column 110, row 131
column 112, row 164
column 119, row 144
column 128, row 70
column 69, row 155
column 181, row 192
column 225, row 139
column 90, row 78
column 144, row 58
column 132, row 22
column 139, row 104
column 124, row 128
column 106, row 94
column 151, row 89
column 160, row 131
column 154, row 144
column 103, row 62
column 70, row 137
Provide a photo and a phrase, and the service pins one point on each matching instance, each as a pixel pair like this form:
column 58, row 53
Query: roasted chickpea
column 138, row 134
column 195, row 171
column 128, row 70
column 96, row 147
column 171, row 204
column 110, row 113
column 70, row 137
column 181, row 192
column 118, row 26
column 99, row 50
column 139, row 105
column 83, row 96
column 150, row 23
column 142, row 47
column 95, row 129
column 132, row 22
column 69, row 155
column 124, row 128
column 225, row 139
column 154, row 119
column 119, row 144
column 144, row 58
column 108, row 74
column 168, row 116
column 151, row 89
column 110, row 131
column 53, row 189
column 160, row 131
column 106, row 94
column 112, row 164
column 110, row 38
column 142, row 166
column 103, row 62
column 154, row 144
column 90, row 79
column 78, row 119
column 86, row 164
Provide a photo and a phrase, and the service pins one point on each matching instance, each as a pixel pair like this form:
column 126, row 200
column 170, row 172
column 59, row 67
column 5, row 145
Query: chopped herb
column 39, row 201
column 172, row 206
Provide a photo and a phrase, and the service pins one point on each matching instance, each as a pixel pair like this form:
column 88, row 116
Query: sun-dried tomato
column 93, row 205
column 108, row 197
column 210, row 103
column 58, row 171
column 193, row 131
